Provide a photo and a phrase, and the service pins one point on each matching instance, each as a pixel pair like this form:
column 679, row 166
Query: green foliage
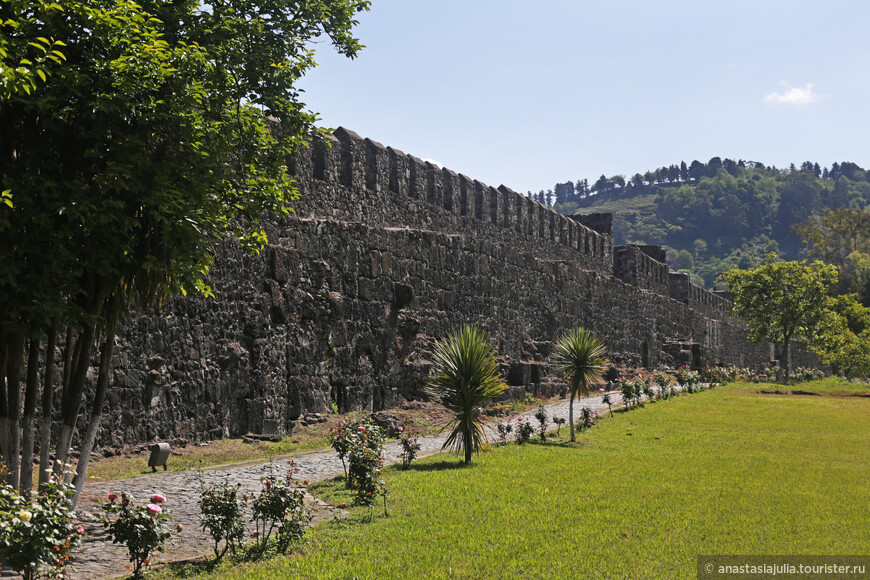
column 729, row 218
column 143, row 529
column 465, row 377
column 410, row 447
column 155, row 131
column 580, row 357
column 365, row 461
column 687, row 378
column 841, row 237
column 504, row 429
column 588, row 418
column 524, row 431
column 279, row 508
column 781, row 301
column 541, row 416
column 843, row 340
column 35, row 533
column 220, row 514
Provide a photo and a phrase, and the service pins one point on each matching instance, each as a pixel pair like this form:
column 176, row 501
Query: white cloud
column 795, row 96
column 435, row 163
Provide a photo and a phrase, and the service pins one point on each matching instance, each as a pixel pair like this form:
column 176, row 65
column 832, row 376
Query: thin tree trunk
column 72, row 396
column 4, row 423
column 786, row 355
column 31, row 394
column 571, row 415
column 96, row 412
column 13, row 409
column 47, row 407
column 68, row 350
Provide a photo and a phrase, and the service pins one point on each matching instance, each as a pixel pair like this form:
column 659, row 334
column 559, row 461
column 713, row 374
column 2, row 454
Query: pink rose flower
column 154, row 508
column 157, row 498
column 361, row 428
column 401, row 429
column 112, row 496
column 80, row 530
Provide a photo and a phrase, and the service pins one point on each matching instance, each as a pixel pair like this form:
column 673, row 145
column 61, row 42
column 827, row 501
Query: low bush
column 142, row 528
column 36, row 535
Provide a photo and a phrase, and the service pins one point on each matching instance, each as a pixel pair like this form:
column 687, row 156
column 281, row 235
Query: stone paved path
column 100, row 559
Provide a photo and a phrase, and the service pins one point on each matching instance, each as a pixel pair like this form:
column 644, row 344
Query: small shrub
column 410, row 447
column 220, row 514
column 524, row 431
column 35, row 533
column 607, row 401
column 559, row 421
column 661, row 379
column 365, row 461
column 588, row 418
column 340, row 439
column 142, row 528
column 648, row 392
column 688, row 378
column 279, row 508
column 504, row 429
column 541, row 416
column 630, row 391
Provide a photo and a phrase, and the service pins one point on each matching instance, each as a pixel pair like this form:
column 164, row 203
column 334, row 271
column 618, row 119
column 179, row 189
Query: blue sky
column 530, row 93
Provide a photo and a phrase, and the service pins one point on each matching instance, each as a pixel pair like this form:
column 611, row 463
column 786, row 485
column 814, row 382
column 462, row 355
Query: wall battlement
column 389, row 174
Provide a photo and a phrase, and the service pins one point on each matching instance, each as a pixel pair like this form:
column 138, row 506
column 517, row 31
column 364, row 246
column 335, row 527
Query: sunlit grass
column 727, row 471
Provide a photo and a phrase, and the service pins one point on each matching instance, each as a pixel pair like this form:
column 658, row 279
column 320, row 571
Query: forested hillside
column 718, row 215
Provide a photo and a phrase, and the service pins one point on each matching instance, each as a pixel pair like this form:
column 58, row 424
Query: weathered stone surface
column 391, row 424
column 385, row 255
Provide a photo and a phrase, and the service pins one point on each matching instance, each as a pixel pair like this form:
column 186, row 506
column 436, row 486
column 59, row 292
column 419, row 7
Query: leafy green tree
column 844, row 338
column 841, row 237
column 165, row 125
column 580, row 357
column 781, row 301
column 465, row 377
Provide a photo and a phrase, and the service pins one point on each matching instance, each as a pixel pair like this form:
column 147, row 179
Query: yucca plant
column 580, row 357
column 465, row 377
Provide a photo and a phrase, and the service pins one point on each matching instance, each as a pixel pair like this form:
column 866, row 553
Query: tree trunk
column 96, row 413
column 31, row 393
column 12, row 432
column 72, row 396
column 4, row 359
column 571, row 415
column 782, row 375
column 47, row 407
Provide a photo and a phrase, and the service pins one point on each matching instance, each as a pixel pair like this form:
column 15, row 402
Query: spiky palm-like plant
column 580, row 357
column 465, row 377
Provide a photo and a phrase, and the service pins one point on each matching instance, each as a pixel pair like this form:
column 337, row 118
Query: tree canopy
column 132, row 137
column 782, row 301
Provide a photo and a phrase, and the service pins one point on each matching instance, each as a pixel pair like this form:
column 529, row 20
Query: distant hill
column 718, row 215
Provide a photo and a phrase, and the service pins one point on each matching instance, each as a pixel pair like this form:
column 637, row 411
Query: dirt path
column 101, row 559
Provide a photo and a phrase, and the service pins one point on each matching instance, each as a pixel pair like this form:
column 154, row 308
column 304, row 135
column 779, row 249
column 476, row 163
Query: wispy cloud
column 435, row 163
column 797, row 96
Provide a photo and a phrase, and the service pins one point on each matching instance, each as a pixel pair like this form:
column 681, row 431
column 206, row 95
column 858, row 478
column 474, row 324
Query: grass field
column 727, row 471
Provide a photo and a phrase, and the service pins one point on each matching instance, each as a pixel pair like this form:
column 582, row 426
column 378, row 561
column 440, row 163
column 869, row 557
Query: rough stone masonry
column 384, row 255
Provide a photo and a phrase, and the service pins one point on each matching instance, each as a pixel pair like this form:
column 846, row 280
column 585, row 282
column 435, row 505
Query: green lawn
column 727, row 471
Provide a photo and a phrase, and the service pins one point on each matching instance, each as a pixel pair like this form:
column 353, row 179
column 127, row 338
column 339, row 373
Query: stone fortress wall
column 384, row 255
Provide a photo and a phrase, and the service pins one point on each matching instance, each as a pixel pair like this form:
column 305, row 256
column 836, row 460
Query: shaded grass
column 728, row 471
